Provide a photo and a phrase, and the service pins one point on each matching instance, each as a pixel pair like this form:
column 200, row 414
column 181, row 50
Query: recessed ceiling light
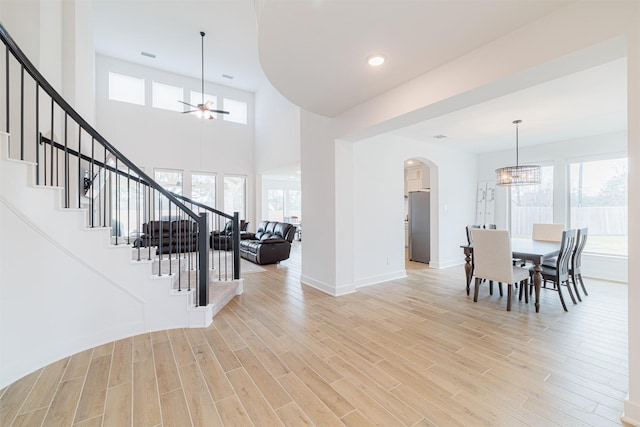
column 375, row 60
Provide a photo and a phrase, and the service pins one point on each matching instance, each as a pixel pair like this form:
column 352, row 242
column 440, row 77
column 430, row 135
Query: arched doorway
column 420, row 209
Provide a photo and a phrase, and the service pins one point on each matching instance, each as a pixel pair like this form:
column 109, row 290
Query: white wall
column 78, row 58
column 319, row 186
column 277, row 132
column 37, row 29
column 379, row 201
column 277, row 144
column 59, row 308
column 156, row 138
column 344, row 232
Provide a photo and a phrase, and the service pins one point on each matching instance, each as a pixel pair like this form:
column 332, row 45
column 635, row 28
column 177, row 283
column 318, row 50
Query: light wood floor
column 414, row 352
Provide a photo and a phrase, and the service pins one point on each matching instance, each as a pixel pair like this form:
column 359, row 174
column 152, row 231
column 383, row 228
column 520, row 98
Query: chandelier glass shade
column 518, row 174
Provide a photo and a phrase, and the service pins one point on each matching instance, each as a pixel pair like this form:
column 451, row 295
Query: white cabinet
column 414, row 185
column 416, row 179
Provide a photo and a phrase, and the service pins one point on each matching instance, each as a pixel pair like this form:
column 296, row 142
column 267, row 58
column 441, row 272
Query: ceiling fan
column 203, row 109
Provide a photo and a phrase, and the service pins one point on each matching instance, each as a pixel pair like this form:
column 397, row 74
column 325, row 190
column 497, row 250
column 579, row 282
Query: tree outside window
column 235, row 195
column 203, row 188
column 275, row 204
column 598, row 200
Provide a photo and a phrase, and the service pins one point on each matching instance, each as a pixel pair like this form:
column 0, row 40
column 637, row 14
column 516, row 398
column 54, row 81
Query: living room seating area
column 270, row 244
column 223, row 239
column 169, row 236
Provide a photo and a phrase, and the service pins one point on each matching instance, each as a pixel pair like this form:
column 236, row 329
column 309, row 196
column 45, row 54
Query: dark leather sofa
column 169, row 236
column 223, row 239
column 270, row 244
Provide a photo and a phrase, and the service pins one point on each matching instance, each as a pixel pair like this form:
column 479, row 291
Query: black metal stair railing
column 95, row 176
column 223, row 265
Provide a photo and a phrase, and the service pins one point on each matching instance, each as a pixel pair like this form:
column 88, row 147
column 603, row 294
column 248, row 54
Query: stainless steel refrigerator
column 419, row 233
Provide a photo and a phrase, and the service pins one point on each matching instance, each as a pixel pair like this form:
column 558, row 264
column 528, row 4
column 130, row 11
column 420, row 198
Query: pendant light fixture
column 518, row 174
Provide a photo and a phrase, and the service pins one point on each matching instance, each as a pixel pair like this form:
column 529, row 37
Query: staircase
column 70, row 288
column 68, row 281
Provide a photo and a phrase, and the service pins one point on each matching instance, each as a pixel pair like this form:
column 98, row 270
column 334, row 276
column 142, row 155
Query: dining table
column 535, row 251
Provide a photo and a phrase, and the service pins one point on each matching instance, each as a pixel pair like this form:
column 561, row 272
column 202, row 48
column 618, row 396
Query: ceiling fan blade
column 190, row 111
column 219, row 111
column 186, row 103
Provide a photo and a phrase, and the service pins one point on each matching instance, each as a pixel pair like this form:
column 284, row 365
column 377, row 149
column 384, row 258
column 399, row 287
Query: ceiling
column 314, row 52
column 170, row 29
column 319, row 48
column 589, row 102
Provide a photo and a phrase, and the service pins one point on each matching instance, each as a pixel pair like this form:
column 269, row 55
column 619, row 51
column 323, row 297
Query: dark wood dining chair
column 468, row 229
column 559, row 274
column 576, row 261
column 492, row 252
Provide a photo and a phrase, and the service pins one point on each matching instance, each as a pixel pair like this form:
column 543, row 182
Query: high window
column 167, row 97
column 235, row 195
column 531, row 204
column 237, row 111
column 126, row 88
column 598, row 200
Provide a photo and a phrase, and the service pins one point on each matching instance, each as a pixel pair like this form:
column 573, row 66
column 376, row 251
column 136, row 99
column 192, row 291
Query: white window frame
column 215, row 190
column 238, row 110
column 243, row 214
column 159, row 100
column 133, row 93
column 589, row 159
column 510, row 201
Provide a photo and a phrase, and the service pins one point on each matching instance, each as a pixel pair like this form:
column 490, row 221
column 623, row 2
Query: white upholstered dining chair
column 548, row 232
column 492, row 259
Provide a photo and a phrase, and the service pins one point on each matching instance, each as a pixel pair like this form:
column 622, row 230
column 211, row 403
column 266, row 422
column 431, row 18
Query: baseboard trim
column 446, row 264
column 631, row 414
column 326, row 288
column 381, row 278
column 200, row 317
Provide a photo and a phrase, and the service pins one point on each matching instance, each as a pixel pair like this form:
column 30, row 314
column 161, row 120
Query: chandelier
column 518, row 174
